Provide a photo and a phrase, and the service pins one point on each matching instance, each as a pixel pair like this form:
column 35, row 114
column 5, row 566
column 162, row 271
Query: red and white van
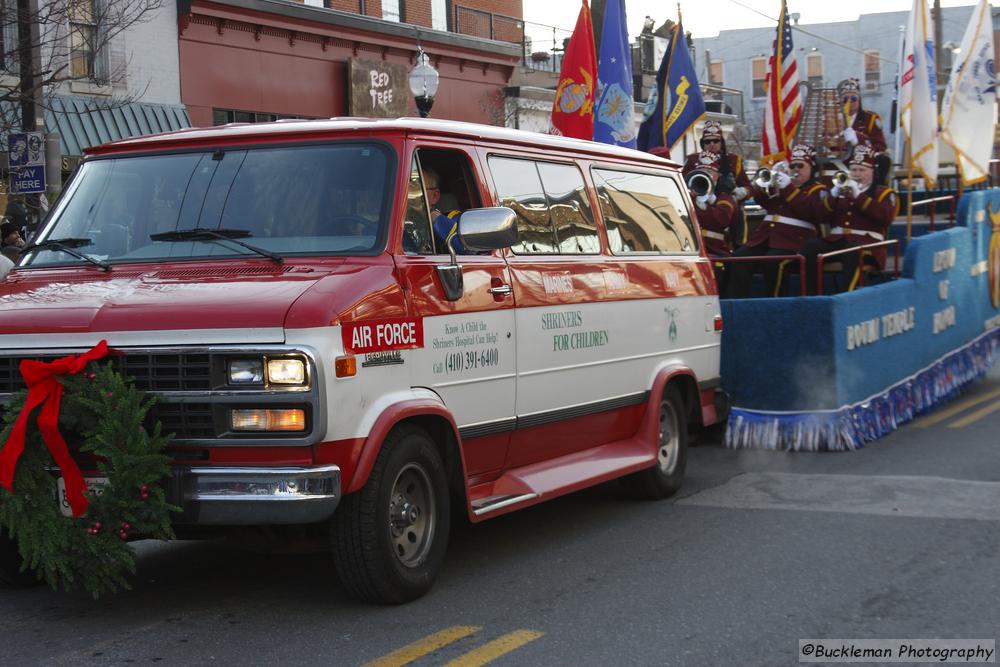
column 323, row 362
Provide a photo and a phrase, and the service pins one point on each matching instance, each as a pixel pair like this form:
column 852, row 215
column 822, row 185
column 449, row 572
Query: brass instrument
column 841, row 178
column 700, row 183
column 765, row 178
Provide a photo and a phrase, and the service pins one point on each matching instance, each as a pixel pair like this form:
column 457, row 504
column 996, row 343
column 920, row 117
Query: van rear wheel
column 389, row 538
column 665, row 478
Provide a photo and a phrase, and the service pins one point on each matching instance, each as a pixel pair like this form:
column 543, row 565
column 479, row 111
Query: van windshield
column 312, row 200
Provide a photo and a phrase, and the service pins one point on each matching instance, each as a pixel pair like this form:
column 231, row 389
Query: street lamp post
column 423, row 83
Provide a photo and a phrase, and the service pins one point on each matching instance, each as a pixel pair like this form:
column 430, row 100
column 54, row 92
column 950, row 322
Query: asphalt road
column 760, row 549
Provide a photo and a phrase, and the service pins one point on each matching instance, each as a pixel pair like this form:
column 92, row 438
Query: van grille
column 185, row 420
column 193, row 396
column 149, row 371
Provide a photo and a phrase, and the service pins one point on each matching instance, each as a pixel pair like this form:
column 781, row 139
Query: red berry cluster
column 95, row 528
column 123, row 533
column 144, row 491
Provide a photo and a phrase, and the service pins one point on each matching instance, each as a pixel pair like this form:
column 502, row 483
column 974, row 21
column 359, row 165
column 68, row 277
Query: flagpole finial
column 679, row 14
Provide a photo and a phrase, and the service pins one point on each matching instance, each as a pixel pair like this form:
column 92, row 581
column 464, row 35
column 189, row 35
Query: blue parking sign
column 24, row 180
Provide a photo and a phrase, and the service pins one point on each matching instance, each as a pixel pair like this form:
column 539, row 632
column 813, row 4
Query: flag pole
column 909, row 188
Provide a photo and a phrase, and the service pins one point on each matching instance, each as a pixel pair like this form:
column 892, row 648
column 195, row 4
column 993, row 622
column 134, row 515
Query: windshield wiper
column 202, row 234
column 67, row 246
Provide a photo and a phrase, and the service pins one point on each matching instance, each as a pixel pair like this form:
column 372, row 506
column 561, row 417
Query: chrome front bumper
column 242, row 496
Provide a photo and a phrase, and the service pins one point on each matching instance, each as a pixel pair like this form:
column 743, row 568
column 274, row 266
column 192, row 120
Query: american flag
column 784, row 108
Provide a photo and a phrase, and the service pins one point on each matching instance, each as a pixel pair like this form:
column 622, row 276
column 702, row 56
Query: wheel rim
column 412, row 515
column 670, row 444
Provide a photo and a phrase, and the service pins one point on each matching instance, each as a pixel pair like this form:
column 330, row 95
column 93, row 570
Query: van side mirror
column 488, row 228
column 480, row 229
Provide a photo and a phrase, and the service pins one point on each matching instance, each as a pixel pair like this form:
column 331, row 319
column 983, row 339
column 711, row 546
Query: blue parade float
column 835, row 372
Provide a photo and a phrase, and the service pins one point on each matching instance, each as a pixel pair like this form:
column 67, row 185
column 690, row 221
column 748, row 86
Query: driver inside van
column 445, row 225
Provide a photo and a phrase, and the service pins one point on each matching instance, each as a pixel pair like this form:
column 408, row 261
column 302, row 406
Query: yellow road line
column 494, row 649
column 974, row 416
column 422, row 647
column 940, row 416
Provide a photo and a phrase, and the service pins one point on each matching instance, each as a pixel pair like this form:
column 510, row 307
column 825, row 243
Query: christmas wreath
column 79, row 539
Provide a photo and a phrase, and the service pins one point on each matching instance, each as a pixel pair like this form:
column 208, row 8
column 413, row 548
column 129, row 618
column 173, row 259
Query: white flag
column 969, row 111
column 917, row 95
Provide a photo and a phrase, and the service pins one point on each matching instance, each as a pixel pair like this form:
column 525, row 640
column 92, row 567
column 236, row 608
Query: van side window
column 519, row 187
column 644, row 213
column 553, row 212
column 449, row 188
column 417, row 236
column 569, row 208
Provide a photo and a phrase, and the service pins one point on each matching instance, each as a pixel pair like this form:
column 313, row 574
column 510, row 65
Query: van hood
column 84, row 300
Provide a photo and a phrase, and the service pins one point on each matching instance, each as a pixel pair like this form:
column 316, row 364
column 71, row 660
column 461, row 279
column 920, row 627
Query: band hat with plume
column 849, row 86
column 863, row 155
column 712, row 129
column 803, row 152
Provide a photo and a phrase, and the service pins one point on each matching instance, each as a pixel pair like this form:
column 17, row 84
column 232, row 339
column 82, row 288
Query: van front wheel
column 664, row 479
column 389, row 538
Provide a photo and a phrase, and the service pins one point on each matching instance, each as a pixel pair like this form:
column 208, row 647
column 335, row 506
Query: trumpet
column 765, row 178
column 841, row 178
column 700, row 183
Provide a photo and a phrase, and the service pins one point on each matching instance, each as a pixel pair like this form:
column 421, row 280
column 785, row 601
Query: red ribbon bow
column 45, row 390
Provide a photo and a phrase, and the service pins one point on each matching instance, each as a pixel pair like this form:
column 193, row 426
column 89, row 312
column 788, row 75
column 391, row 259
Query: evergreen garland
column 105, row 412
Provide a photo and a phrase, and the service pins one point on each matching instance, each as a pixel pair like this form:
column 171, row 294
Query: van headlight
column 268, row 371
column 286, row 371
column 246, row 371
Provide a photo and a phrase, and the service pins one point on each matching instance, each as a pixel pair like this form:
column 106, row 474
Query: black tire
column 11, row 575
column 389, row 539
column 665, row 478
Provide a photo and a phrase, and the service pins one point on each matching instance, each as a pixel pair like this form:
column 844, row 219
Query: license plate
column 93, row 484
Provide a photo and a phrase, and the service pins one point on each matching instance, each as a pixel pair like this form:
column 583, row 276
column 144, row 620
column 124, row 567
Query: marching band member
column 732, row 176
column 716, row 213
column 796, row 211
column 862, row 213
column 863, row 127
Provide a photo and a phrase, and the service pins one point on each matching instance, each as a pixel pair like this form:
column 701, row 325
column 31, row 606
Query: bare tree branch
column 74, row 43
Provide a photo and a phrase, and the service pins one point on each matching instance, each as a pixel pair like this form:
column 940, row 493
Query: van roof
column 293, row 128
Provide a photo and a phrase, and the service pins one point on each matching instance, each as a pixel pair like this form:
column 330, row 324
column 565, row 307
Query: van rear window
column 320, row 199
column 644, row 213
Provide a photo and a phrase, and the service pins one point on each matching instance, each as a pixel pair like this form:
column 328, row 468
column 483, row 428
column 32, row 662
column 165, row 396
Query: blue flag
column 614, row 122
column 676, row 103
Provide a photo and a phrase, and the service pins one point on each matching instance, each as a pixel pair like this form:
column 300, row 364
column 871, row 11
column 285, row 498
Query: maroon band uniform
column 868, row 126
column 714, row 221
column 865, row 219
column 794, row 216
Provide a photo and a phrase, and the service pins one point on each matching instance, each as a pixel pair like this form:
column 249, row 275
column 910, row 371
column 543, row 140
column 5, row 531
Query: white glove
column 704, row 201
column 782, row 180
column 854, row 188
column 835, row 191
column 739, row 194
column 850, row 136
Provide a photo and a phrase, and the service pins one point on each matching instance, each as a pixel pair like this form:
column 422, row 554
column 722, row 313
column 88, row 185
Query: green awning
column 81, row 122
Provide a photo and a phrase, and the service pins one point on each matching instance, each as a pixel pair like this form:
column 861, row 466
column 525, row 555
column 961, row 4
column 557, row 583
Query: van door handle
column 502, row 290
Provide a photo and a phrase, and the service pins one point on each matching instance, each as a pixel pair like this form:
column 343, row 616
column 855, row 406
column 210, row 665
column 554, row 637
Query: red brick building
column 255, row 60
